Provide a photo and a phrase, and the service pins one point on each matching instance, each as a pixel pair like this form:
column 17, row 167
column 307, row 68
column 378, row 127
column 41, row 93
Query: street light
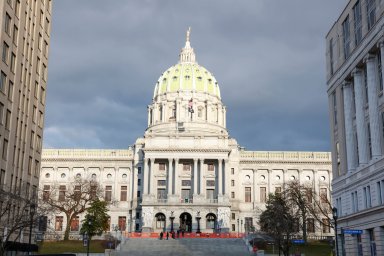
column 32, row 211
column 198, row 222
column 89, row 236
column 238, row 227
column 334, row 214
column 172, row 218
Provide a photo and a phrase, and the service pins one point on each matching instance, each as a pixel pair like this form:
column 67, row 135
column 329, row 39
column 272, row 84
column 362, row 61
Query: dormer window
column 187, row 77
column 174, row 78
column 199, row 78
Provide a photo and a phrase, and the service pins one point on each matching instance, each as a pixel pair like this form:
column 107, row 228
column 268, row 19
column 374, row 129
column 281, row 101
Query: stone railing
column 86, row 153
column 286, row 156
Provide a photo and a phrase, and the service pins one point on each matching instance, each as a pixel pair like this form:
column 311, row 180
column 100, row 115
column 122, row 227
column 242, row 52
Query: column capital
column 152, row 160
column 170, row 160
column 380, row 44
column 369, row 57
column 195, row 160
column 346, row 84
column 356, row 71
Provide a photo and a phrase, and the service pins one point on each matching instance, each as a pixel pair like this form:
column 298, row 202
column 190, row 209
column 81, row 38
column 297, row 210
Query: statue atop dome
column 187, row 54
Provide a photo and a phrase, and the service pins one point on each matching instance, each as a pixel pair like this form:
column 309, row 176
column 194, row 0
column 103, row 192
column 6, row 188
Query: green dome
column 187, row 76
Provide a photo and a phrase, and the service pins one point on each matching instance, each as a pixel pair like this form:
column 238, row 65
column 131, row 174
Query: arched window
column 211, row 221
column 160, row 220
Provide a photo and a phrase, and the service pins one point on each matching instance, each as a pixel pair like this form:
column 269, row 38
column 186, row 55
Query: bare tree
column 306, row 203
column 16, row 214
column 71, row 199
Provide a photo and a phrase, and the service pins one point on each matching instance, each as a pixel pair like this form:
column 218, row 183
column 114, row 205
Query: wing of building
column 355, row 51
column 186, row 172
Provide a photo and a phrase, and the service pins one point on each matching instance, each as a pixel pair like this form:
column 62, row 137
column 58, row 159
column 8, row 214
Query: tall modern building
column 355, row 51
column 186, row 172
column 24, row 40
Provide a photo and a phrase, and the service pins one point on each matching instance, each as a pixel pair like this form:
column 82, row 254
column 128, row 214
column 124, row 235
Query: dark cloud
column 267, row 55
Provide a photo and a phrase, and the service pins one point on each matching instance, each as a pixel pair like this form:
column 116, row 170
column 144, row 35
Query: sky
column 268, row 57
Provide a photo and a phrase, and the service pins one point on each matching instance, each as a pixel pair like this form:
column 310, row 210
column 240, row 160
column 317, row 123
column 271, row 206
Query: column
column 381, row 46
column 146, row 176
column 361, row 128
column 219, row 114
column 269, row 182
column 227, row 178
column 176, row 178
column 170, row 176
column 178, row 110
column 209, row 112
column 349, row 136
column 374, row 125
column 195, row 178
column 202, row 177
column 254, row 187
column 152, row 177
column 220, row 176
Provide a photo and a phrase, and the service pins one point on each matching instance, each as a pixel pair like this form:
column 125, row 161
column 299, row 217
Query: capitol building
column 186, row 172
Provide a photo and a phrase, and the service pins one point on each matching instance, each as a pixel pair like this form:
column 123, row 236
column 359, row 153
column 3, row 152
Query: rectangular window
column 326, row 226
column 369, row 140
column 247, row 194
column 185, row 193
column 357, row 22
column 210, row 194
column 138, row 182
column 30, row 165
column 211, row 167
column 371, row 13
column 186, row 167
column 232, row 195
column 75, row 223
column 7, row 23
column 10, row 90
column 46, row 192
column 233, row 227
column 210, row 183
column 43, row 221
column 161, row 166
column 123, row 193
column 346, row 38
column 367, row 196
column 372, row 242
column 8, row 120
column 161, row 193
column 233, row 216
column 161, row 183
column 62, row 190
column 37, row 169
column 5, row 54
column 263, row 194
column 1, row 113
column 13, row 59
column 186, row 183
column 108, row 193
column 5, row 149
column 122, row 223
column 277, row 190
column 59, row 223
column 232, row 183
column 42, row 95
column 323, row 195
column 138, row 170
column 248, row 224
column 15, row 35
column 310, row 225
column 138, row 194
column 233, row 171
column 334, row 101
column 3, row 80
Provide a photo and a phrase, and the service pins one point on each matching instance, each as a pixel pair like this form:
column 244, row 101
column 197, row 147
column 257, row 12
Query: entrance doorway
column 186, row 222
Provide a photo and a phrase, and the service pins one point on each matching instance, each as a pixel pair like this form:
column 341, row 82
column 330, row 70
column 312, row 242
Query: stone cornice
column 172, row 150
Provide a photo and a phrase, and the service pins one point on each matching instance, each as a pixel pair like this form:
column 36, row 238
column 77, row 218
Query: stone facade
column 355, row 51
column 186, row 172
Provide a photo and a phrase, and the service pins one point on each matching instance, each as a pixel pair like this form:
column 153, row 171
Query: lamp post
column 172, row 218
column 334, row 214
column 89, row 234
column 241, row 226
column 198, row 222
column 116, row 229
column 32, row 210
column 238, row 227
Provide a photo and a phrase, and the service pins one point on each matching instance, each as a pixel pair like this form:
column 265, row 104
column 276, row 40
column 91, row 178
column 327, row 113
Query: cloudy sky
column 267, row 55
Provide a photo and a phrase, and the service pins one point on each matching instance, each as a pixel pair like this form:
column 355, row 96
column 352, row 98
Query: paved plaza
column 183, row 246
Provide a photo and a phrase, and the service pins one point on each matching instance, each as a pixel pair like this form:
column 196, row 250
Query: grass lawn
column 311, row 248
column 75, row 246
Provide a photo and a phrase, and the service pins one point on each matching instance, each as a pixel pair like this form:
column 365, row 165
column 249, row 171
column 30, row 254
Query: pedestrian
column 161, row 235
column 173, row 234
column 182, row 232
column 178, row 233
column 167, row 235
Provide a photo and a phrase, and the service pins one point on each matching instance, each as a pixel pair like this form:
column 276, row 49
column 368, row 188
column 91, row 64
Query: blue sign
column 353, row 231
column 298, row 241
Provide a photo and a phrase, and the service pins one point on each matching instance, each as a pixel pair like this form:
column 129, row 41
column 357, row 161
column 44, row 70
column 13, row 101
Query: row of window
column 356, row 14
column 366, row 198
